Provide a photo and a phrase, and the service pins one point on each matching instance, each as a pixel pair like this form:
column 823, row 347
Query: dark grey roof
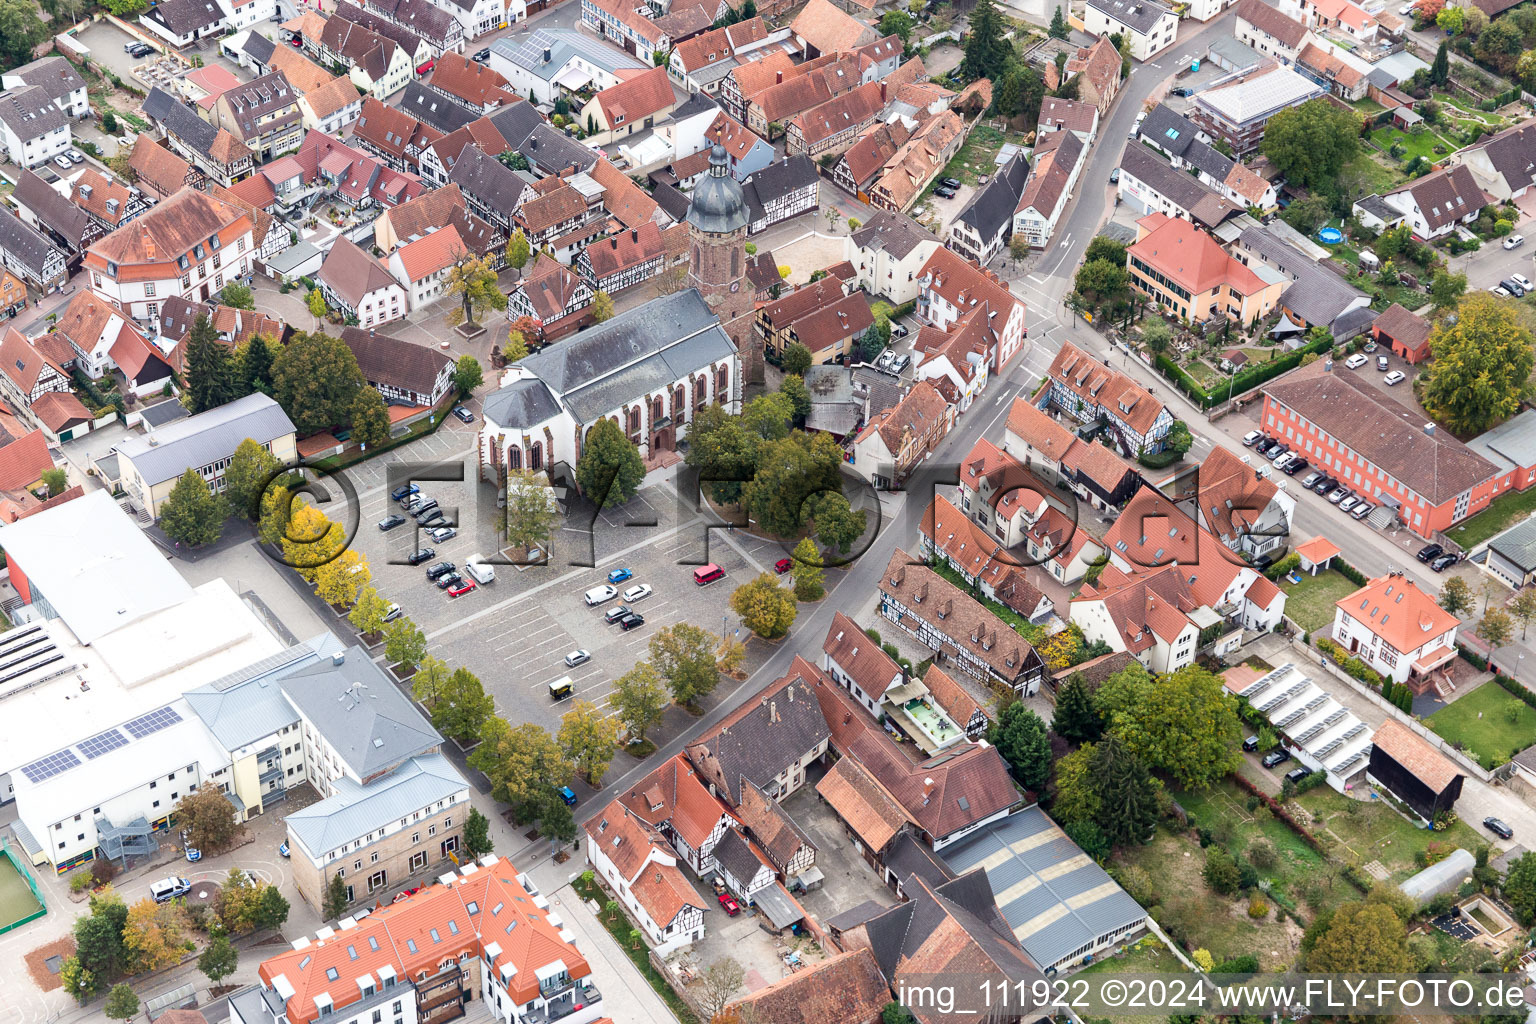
column 25, row 243
column 1518, row 545
column 179, row 120
column 896, row 233
column 855, row 916
column 1180, row 187
column 1168, row 131
column 161, row 413
column 269, row 96
column 385, row 27
column 435, row 109
column 1028, row 847
column 907, row 857
column 671, row 200
column 992, row 208
column 486, row 179
column 1513, row 155
column 57, row 213
column 427, row 20
column 552, row 151
column 514, row 122
column 244, row 706
column 1319, row 296
column 719, row 202
column 29, row 112
column 737, row 857
column 259, row 47
column 1377, row 206
column 364, row 718
column 1381, row 78
column 1207, row 159
column 1352, row 322
column 776, row 181
column 524, row 403
column 761, row 742
column 880, row 389
column 901, row 931
column 184, row 17
column 696, row 103
column 1140, row 15
column 634, row 354
column 54, row 75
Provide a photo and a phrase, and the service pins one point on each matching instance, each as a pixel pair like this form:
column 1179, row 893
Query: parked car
column 125, row 141
column 597, row 595
column 1114, row 176
column 401, row 493
column 1252, row 438
column 389, row 522
column 900, row 363
column 1395, row 377
column 1348, row 503
column 1277, row 756
column 1444, row 562
column 1251, row 744
column 1362, row 510
column 429, row 516
column 452, row 579
column 1296, row 467
column 168, row 889
column 1285, row 459
column 620, row 575
column 1326, row 484
column 638, row 592
column 464, row 587
column 63, row 161
column 1312, row 479
column 1183, row 90
column 944, row 192
column 1382, row 364
column 1273, row 455
column 580, row 656
column 282, row 851
column 951, row 182
column 634, row 620
column 1523, row 282
column 783, row 566
column 615, row 613
column 440, row 569
column 1512, row 286
column 1295, row 775
column 1498, row 828
column 483, row 55
column 1514, row 241
column 1266, row 446
column 1356, row 361
column 442, row 533
column 728, row 904
column 463, row 414
column 1429, row 552
column 1339, row 495
column 420, row 555
column 1500, row 292
column 75, row 156
column 568, row 796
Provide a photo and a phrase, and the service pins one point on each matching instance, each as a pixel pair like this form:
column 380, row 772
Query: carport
column 775, row 904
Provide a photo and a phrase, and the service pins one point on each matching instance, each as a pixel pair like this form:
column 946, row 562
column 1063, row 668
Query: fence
column 1463, row 762
column 26, row 876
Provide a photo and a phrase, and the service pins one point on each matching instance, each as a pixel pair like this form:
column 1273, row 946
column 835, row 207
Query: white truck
column 479, row 569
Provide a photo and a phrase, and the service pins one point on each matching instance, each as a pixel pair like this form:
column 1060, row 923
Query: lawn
column 975, row 157
column 1489, row 723
column 1379, row 177
column 1373, row 831
column 1503, row 512
column 1310, row 603
column 1204, row 373
column 1413, row 143
column 1148, row 956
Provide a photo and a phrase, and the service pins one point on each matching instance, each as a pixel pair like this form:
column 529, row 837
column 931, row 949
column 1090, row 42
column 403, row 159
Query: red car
column 729, row 904
column 463, row 588
column 783, row 566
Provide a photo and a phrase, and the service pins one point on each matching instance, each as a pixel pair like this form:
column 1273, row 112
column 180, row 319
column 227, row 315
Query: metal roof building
column 167, row 453
column 1063, row 908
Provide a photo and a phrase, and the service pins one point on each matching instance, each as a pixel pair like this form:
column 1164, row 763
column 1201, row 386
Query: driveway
column 627, row 997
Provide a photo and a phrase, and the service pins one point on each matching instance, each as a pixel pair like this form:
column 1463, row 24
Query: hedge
column 1349, row 572
column 1249, row 378
column 1284, row 566
column 1512, row 685
column 1352, row 665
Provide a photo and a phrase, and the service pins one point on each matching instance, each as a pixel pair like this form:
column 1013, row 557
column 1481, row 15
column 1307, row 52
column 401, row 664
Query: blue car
column 401, row 493
column 568, row 795
column 283, row 850
column 620, row 575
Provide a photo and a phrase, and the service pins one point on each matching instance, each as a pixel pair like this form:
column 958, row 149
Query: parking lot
column 106, row 41
column 515, row 632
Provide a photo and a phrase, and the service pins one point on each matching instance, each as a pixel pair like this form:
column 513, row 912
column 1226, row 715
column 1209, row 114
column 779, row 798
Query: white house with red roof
column 1398, row 630
column 1086, row 389
column 638, row 865
column 1248, row 513
column 422, row 266
column 952, row 290
column 635, row 104
column 674, row 802
column 947, row 534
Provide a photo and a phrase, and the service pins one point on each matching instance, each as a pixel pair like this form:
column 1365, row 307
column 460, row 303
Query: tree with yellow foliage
column 588, row 738
column 154, row 936
column 311, row 540
column 340, row 581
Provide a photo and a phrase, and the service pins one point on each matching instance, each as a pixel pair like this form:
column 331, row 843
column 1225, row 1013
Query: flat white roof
column 93, row 565
column 134, row 671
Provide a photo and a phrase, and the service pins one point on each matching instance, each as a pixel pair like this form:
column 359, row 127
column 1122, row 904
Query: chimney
column 927, row 789
column 778, row 77
column 882, row 92
column 1429, row 428
column 546, row 55
column 634, row 234
column 615, row 242
column 1328, row 365
column 773, row 711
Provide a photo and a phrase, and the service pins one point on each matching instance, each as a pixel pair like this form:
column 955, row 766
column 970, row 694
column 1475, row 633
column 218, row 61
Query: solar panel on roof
column 101, row 743
column 48, row 767
column 153, row 722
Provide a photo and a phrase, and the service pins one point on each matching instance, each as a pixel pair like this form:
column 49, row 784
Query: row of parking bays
column 1291, row 463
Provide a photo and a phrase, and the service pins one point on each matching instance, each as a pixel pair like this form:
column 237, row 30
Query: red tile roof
column 23, row 461
column 645, row 95
column 432, row 253
column 1397, row 611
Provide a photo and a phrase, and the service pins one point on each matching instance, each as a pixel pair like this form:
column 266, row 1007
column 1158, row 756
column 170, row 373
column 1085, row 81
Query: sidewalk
column 627, row 997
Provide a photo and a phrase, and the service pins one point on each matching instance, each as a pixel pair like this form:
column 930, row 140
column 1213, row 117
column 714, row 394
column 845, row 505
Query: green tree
column 254, row 366
column 1179, row 439
column 1496, row 627
column 277, row 505
column 1187, row 727
column 219, row 960
column 723, row 451
column 1075, row 719
column 1364, row 937
column 467, row 374
column 121, row 1004
column 76, row 980
column 867, row 348
column 1019, row 735
column 1440, row 70
column 837, row 525
column 430, row 681
column 335, row 902
column 1077, row 795
column 208, row 819
column 522, row 764
column 639, row 698
column 404, row 643
column 370, row 418
column 464, row 707
column 1481, row 365
column 790, row 472
column 1127, row 794
column 477, row 834
column 1221, row 872
column 210, row 377
column 1122, row 693
column 513, row 160
column 602, row 307
column 315, row 379
column 1519, row 888
column 610, row 468
column 1100, row 282
column 368, row 612
column 1456, row 596
column 191, row 514
column 793, row 387
column 1307, row 214
column 271, row 909
column 1523, row 608
column 769, row 415
column 246, row 477
column 987, row 53
column 810, row 579
column 99, row 936
column 317, row 306
column 556, row 820
column 683, row 655
column 532, row 510
column 516, row 349
column 1157, row 335
column 1102, row 247
column 56, row 480
column 518, row 250
column 21, row 28
column 766, row 608
column 588, row 737
column 1059, row 28
column 237, row 296
column 1312, row 142
column 474, row 282
column 1447, row 288
column 897, row 23
column 797, row 358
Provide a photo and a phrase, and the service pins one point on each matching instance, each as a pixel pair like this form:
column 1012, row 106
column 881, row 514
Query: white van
column 479, row 569
column 168, row 889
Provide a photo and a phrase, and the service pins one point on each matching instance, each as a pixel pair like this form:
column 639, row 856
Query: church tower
column 717, row 255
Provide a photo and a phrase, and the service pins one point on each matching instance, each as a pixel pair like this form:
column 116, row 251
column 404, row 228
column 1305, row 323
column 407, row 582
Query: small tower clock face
column 735, row 286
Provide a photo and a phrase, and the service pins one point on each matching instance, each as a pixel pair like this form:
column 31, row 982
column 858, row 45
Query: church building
column 648, row 369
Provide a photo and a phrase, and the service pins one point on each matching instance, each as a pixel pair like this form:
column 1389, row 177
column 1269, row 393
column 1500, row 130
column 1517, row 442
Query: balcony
column 580, row 997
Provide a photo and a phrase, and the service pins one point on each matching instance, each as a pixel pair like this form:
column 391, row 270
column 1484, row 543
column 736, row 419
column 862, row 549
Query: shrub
column 1221, row 872
column 80, row 882
column 1284, row 566
column 1203, row 960
column 1261, row 853
column 1258, row 909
